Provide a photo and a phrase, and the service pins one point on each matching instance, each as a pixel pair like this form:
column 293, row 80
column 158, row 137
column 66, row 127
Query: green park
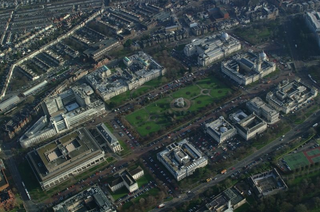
column 162, row 113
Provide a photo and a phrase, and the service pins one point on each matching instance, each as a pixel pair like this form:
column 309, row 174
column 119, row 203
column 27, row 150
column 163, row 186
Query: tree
column 301, row 208
column 316, row 202
column 142, row 201
column 128, row 43
column 285, row 207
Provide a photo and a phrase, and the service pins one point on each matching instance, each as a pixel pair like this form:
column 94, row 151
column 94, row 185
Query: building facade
column 64, row 112
column 248, row 67
column 290, row 96
column 262, row 109
column 141, row 68
column 313, row 22
column 212, row 48
column 220, row 130
column 251, row 126
column 68, row 156
column 110, row 139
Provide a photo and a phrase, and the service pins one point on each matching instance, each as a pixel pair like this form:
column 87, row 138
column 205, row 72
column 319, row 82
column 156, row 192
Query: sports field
column 160, row 114
column 296, row 160
column 304, row 158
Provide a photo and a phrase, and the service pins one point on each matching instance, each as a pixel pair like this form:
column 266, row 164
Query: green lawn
column 187, row 92
column 200, row 102
column 159, row 106
column 209, row 83
column 156, row 82
column 145, row 179
column 138, row 117
column 219, row 93
column 151, row 118
column 139, row 91
column 159, row 114
column 117, row 100
column 149, row 127
column 126, row 149
column 119, row 193
column 109, row 127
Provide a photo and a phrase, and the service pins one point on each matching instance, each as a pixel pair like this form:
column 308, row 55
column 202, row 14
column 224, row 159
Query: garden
column 161, row 114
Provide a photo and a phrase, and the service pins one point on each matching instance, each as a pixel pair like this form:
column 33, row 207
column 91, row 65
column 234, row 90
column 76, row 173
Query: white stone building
column 182, row 159
column 251, row 126
column 248, row 68
column 290, row 96
column 220, row 130
column 262, row 109
column 212, row 48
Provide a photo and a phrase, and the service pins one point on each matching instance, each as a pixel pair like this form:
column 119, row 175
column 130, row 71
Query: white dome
column 263, row 55
column 223, row 129
column 225, row 36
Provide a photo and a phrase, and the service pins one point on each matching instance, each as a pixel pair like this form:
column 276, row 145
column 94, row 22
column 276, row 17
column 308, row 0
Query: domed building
column 263, row 56
column 225, row 36
column 248, row 67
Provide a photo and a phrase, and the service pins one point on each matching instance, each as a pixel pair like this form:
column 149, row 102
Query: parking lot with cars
column 161, row 173
column 124, row 134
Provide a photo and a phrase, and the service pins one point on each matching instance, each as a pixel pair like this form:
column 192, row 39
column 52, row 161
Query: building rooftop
column 141, row 66
column 64, row 153
column 92, row 199
column 107, row 135
column 181, row 155
column 248, row 64
column 250, row 123
column 219, row 126
column 220, row 202
column 268, row 183
column 238, row 116
column 314, row 17
column 291, row 94
column 127, row 177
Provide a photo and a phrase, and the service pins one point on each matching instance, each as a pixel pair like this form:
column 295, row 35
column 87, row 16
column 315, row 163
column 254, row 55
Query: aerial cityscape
column 159, row 105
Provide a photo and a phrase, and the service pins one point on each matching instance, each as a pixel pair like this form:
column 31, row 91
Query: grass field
column 199, row 102
column 109, row 127
column 119, row 193
column 145, row 179
column 140, row 91
column 159, row 114
column 296, row 160
column 187, row 92
column 126, row 149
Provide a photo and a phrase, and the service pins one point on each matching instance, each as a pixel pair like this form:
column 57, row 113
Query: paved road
column 303, row 128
